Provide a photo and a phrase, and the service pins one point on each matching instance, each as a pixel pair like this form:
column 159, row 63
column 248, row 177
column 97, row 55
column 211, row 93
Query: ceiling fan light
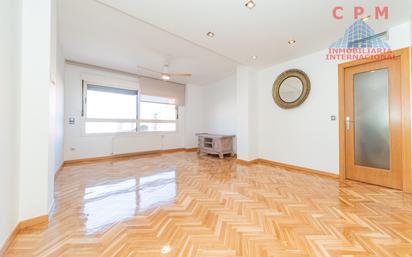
column 291, row 42
column 166, row 77
column 250, row 4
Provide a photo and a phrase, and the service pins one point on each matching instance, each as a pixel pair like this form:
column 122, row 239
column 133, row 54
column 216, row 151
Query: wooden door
column 373, row 123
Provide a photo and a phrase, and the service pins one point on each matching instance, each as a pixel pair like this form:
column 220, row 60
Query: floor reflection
column 107, row 204
column 157, row 190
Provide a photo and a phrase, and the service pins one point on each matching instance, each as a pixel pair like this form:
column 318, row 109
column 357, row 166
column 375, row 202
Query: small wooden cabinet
column 215, row 144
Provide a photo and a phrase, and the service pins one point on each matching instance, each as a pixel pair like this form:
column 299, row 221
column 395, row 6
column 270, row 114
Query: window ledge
column 143, row 133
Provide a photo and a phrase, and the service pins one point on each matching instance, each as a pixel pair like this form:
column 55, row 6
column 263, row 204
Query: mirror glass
column 291, row 89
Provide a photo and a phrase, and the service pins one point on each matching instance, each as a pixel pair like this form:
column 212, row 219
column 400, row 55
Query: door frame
column 406, row 119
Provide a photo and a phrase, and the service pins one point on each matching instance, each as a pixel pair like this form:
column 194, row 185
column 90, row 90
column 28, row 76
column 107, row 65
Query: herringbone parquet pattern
column 184, row 205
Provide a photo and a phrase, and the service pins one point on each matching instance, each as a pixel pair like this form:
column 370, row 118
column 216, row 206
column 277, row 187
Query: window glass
column 157, row 111
column 115, row 110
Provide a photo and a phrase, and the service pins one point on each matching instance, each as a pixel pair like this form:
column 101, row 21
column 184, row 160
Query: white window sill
column 143, row 133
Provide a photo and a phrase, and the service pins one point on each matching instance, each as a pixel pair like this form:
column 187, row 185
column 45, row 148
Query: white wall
column 59, row 127
column 305, row 136
column 24, row 107
column 10, row 11
column 56, row 105
column 34, row 108
column 399, row 36
column 246, row 116
column 77, row 145
column 211, row 108
column 220, row 107
column 194, row 115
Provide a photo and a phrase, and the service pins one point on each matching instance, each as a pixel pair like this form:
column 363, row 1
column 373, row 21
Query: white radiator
column 137, row 143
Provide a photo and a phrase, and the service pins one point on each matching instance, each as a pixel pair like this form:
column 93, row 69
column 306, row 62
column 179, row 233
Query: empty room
column 188, row 128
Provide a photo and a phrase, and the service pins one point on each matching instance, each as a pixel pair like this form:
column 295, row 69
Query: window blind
column 153, row 87
column 111, row 90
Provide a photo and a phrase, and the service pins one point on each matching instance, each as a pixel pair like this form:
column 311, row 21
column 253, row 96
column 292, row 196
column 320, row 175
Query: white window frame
column 137, row 121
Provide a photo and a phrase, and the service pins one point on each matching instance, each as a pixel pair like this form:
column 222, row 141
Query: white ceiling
column 148, row 32
column 95, row 34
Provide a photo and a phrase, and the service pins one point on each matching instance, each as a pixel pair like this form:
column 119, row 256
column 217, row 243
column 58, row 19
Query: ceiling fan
column 166, row 74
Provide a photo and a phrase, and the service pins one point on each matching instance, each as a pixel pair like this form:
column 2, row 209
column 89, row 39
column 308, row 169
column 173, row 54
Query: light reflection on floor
column 157, row 190
column 111, row 203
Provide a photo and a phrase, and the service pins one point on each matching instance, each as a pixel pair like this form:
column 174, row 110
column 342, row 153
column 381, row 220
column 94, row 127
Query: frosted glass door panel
column 371, row 121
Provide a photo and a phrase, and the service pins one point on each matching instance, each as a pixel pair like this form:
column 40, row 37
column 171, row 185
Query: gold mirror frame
column 278, row 83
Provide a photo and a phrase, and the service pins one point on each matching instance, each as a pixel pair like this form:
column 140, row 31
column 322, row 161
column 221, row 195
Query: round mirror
column 291, row 89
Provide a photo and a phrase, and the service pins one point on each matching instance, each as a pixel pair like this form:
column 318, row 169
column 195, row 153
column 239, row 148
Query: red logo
column 358, row 12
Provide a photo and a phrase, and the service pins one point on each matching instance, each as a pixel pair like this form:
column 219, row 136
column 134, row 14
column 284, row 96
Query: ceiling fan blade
column 180, row 74
column 147, row 69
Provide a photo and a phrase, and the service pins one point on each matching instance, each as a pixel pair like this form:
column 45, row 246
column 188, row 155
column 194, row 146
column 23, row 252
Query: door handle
column 347, row 122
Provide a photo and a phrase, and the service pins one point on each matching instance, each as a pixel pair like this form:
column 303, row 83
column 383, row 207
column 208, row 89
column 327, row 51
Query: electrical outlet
column 72, row 121
column 333, row 117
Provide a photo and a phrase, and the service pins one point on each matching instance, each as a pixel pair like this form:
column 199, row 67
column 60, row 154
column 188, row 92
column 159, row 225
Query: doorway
column 374, row 111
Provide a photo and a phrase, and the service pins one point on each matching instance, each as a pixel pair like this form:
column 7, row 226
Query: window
column 157, row 114
column 116, row 110
column 110, row 110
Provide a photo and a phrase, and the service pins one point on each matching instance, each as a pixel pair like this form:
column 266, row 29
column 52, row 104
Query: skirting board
column 58, row 171
column 288, row 167
column 33, row 222
column 247, row 163
column 9, row 240
column 128, row 155
column 20, row 226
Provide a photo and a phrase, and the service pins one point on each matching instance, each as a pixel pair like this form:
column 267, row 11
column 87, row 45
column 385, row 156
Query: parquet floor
column 184, row 205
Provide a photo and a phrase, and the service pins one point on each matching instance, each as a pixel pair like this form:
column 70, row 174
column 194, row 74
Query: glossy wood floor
column 183, row 205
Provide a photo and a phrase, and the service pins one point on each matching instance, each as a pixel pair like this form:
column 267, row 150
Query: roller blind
column 111, row 90
column 153, row 87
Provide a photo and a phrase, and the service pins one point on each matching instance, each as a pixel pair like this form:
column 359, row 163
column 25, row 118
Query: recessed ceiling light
column 366, row 18
column 254, row 57
column 166, row 249
column 210, row 34
column 291, row 42
column 250, row 4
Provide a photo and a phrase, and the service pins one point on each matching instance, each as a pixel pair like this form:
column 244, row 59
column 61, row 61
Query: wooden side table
column 215, row 144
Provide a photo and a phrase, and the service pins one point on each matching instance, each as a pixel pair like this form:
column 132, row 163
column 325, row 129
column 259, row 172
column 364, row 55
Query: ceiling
column 151, row 32
column 95, row 34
